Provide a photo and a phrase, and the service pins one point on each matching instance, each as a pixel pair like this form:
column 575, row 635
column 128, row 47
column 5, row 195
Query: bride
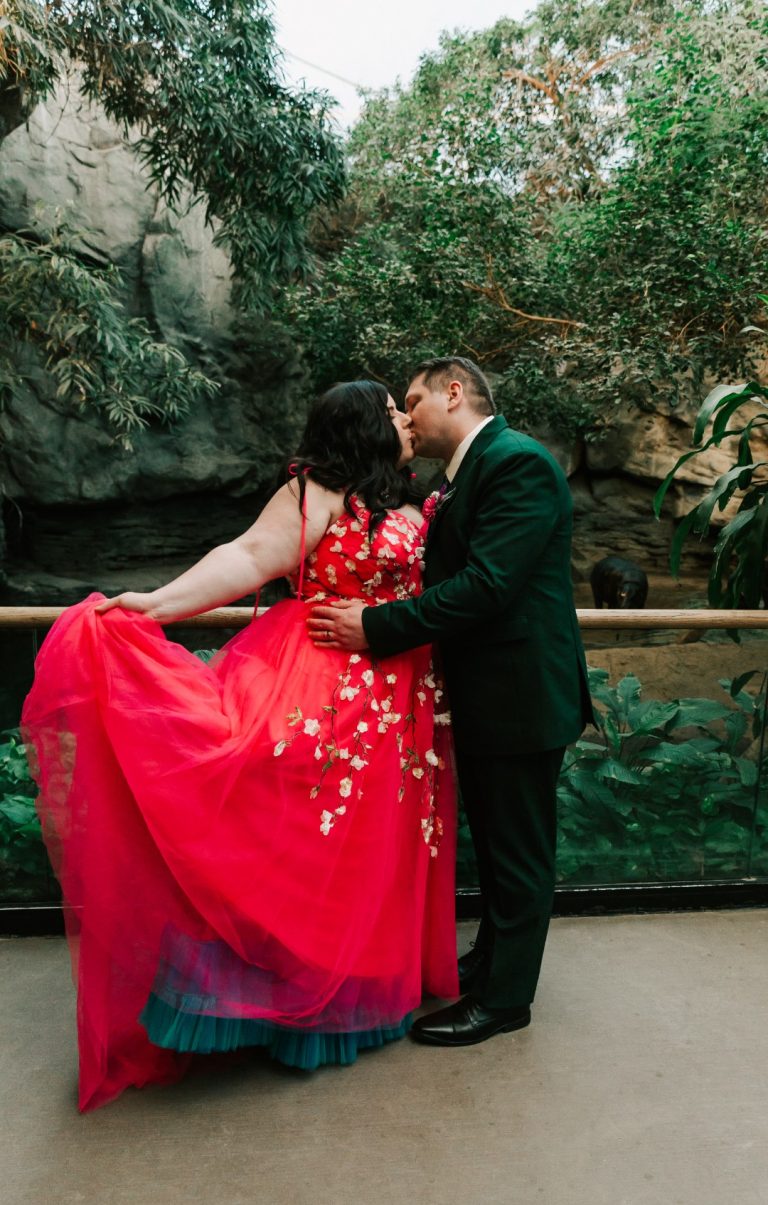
column 257, row 851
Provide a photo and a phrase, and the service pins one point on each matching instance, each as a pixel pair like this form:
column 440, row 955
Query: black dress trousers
column 511, row 805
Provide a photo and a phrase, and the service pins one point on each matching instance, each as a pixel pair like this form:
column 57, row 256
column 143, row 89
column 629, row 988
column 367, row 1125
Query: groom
column 498, row 603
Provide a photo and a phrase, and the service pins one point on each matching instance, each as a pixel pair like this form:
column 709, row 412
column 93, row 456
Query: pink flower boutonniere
column 433, row 503
column 429, row 509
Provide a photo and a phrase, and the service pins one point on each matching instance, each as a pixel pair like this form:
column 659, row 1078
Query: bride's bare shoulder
column 411, row 512
column 318, row 497
column 331, row 500
column 316, row 490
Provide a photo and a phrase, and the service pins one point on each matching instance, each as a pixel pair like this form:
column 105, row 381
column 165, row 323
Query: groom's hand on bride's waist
column 339, row 625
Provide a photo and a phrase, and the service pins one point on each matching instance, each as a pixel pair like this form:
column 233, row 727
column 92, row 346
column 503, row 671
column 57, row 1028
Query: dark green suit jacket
column 498, row 600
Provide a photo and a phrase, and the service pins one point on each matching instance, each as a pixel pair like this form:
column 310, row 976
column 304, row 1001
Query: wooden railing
column 239, row 617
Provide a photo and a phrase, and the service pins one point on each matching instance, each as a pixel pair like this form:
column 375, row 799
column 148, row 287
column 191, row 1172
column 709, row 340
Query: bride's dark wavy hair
column 350, row 443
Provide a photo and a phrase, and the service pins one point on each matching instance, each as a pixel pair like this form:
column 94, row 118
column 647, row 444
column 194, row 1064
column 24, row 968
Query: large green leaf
column 17, row 809
column 724, row 414
column 661, row 492
column 745, row 449
column 751, row 546
column 628, row 691
column 720, row 396
column 700, row 712
column 699, row 519
column 726, row 543
column 653, row 715
column 613, row 769
column 747, row 771
column 683, row 755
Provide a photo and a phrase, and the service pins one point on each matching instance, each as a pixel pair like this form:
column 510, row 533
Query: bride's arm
column 269, row 549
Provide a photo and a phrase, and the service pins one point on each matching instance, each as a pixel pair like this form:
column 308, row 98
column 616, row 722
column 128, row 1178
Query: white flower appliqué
column 328, row 819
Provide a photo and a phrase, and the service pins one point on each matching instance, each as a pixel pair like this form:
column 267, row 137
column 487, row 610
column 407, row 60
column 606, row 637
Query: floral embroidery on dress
column 367, row 695
column 352, row 565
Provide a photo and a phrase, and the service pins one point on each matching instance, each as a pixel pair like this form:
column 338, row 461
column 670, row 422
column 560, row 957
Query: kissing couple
column 259, row 850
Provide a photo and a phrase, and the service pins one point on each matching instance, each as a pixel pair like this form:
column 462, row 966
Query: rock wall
column 78, row 509
column 614, row 475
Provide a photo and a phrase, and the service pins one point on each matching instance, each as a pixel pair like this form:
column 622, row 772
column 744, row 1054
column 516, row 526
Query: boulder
column 645, row 445
column 70, row 161
column 70, row 487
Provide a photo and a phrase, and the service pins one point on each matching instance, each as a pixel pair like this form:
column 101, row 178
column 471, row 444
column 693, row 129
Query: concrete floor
column 642, row 1081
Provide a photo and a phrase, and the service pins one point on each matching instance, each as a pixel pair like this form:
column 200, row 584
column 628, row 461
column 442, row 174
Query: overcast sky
column 371, row 44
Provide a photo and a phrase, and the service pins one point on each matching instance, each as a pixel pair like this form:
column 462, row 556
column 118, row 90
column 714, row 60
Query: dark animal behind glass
column 618, row 583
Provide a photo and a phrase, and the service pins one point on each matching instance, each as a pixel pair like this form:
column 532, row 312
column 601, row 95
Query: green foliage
column 198, row 89
column 674, row 254
column 29, row 49
column 24, row 868
column 96, row 354
column 574, row 200
column 205, row 655
column 738, row 574
column 201, row 81
column 665, row 792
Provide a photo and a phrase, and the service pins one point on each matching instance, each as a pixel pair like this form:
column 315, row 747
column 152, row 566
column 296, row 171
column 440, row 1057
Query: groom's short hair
column 442, row 369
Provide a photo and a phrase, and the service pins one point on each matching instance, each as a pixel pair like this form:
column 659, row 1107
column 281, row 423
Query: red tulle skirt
column 260, row 845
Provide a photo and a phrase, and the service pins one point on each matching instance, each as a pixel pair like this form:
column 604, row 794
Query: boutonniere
column 435, row 500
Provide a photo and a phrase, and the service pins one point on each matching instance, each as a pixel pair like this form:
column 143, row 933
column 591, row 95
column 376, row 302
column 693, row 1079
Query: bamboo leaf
column 678, row 540
column 736, row 686
column 716, row 398
column 725, row 412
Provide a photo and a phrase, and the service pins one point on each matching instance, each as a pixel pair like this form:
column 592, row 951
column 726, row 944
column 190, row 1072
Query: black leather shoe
column 467, row 1022
column 469, row 966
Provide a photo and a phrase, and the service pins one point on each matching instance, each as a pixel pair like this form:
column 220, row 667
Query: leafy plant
column 30, row 48
column 96, row 354
column 667, row 790
column 199, row 92
column 205, row 655
column 737, row 577
column 24, row 869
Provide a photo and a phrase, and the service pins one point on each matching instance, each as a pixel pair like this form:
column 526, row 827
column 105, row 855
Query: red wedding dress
column 254, row 851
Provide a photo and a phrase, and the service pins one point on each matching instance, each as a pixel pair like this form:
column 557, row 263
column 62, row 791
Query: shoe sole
column 429, row 1040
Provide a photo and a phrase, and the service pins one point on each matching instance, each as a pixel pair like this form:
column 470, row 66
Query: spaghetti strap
column 292, row 469
column 303, row 551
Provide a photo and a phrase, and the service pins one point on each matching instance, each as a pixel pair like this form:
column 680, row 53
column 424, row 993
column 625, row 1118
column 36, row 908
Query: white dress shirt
column 463, row 448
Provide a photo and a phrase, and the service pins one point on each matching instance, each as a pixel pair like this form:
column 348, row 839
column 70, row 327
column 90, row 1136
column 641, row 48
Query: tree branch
column 539, row 85
column 494, row 293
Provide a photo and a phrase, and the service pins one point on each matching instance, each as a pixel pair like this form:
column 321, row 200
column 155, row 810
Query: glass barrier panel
column 671, row 787
column 25, row 873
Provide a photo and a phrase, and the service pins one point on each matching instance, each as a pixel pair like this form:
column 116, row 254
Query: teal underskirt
column 308, row 1049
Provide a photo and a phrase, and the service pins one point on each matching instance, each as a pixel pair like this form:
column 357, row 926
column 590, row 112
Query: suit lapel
column 479, row 444
column 475, row 449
